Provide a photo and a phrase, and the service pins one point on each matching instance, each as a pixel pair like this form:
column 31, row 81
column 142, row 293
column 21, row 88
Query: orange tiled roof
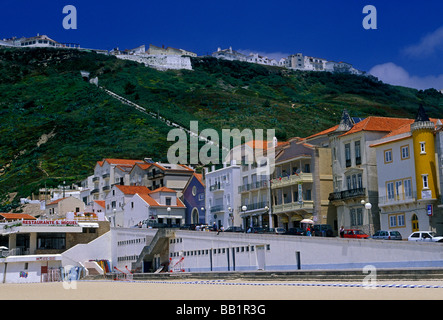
column 133, row 189
column 322, row 132
column 57, row 201
column 163, row 189
column 16, row 216
column 406, row 128
column 149, row 200
column 383, row 124
column 123, row 161
column 199, row 177
column 100, row 203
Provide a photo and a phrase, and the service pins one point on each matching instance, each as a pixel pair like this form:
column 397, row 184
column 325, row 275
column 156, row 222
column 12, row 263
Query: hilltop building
column 158, row 58
column 297, row 61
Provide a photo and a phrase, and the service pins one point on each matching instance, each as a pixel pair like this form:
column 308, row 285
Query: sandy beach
column 229, row 290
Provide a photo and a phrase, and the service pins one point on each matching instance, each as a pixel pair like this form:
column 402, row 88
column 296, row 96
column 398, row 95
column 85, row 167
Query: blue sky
column 405, row 49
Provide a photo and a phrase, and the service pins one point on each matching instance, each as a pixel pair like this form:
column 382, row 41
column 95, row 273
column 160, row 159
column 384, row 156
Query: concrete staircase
column 158, row 244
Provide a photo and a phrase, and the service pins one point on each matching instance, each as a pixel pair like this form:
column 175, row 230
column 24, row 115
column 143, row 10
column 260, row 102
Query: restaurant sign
column 64, row 223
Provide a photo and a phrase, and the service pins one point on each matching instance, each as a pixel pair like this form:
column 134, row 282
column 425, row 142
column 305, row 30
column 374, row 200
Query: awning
column 170, row 217
column 88, row 224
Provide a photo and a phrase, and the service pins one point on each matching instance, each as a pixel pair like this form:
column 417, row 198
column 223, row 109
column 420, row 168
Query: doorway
column 194, row 216
column 414, row 223
column 260, row 251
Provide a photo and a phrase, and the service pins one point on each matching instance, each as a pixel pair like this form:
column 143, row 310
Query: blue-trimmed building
column 194, row 200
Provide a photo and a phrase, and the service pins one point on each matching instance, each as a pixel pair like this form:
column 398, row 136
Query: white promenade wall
column 207, row 251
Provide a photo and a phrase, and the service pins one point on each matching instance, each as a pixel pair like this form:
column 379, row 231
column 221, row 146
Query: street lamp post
column 243, row 209
column 368, row 207
column 169, row 217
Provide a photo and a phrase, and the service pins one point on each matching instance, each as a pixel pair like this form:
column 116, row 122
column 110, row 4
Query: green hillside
column 42, row 93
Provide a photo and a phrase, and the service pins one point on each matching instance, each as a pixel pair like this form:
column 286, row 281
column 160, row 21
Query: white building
column 407, row 194
column 229, row 54
column 158, row 207
column 107, row 173
column 155, row 175
column 222, row 197
column 117, row 200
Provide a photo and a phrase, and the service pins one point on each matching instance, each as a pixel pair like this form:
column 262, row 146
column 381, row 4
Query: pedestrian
column 342, row 232
column 308, row 231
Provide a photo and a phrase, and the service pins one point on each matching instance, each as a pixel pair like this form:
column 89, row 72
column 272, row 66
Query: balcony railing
column 254, row 206
column 253, row 186
column 291, row 180
column 218, row 208
column 217, row 186
column 96, row 190
column 106, row 176
column 397, row 199
column 95, row 179
column 307, row 205
column 347, row 194
column 106, row 188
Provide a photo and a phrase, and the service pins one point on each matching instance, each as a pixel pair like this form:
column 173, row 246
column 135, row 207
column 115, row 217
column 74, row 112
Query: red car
column 355, row 233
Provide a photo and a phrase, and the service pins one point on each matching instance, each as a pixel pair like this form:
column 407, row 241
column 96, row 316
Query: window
column 356, row 216
column 357, row 152
column 51, row 241
column 398, row 190
column 422, row 147
column 348, row 182
column 359, row 181
column 425, row 180
column 348, row 154
column 407, row 184
column 392, row 221
column 308, row 194
column 404, row 152
column 397, row 220
column 168, row 201
column 388, row 156
column 390, row 190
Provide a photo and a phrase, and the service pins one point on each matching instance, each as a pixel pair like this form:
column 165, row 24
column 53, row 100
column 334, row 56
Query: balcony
column 217, row 187
column 254, row 206
column 397, row 199
column 95, row 179
column 106, row 188
column 96, row 190
column 347, row 194
column 218, row 208
column 253, row 186
column 307, row 205
column 294, row 179
column 106, row 176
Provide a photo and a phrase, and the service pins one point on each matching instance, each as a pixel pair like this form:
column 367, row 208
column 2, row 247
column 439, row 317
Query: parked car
column 256, row 230
column 279, row 230
column 425, row 236
column 323, row 230
column 295, row 231
column 234, row 229
column 187, row 227
column 387, row 235
column 355, row 233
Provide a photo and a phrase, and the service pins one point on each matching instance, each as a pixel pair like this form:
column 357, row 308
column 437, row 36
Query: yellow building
column 424, row 157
